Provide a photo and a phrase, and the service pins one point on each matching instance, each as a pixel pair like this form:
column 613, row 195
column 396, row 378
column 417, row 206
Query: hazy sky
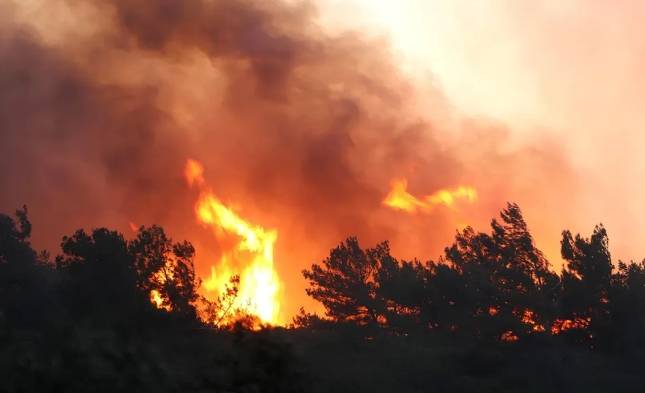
column 570, row 69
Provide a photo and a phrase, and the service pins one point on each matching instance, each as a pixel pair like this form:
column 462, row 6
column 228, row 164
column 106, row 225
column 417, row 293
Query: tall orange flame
column 400, row 199
column 251, row 257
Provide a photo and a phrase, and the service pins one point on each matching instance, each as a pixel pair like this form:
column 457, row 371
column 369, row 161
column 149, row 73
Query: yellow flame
column 163, row 275
column 251, row 258
column 157, row 300
column 400, row 199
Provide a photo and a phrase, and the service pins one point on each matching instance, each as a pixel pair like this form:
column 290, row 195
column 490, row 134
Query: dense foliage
column 492, row 287
column 490, row 316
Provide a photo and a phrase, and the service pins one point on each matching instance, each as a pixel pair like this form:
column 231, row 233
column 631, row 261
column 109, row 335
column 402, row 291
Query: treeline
column 115, row 314
column 110, row 314
column 99, row 278
column 495, row 287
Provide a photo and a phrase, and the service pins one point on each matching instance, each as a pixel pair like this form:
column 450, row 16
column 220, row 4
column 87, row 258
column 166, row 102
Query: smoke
column 299, row 128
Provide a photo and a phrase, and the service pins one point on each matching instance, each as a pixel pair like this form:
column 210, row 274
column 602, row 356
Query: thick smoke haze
column 570, row 69
column 299, row 127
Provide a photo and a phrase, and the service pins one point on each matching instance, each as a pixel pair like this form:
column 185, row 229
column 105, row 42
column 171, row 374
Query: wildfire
column 157, row 300
column 251, row 257
column 529, row 318
column 562, row 325
column 163, row 275
column 400, row 199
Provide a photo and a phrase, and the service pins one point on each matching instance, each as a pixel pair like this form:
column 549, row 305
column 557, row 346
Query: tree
column 25, row 277
column 150, row 250
column 400, row 289
column 487, row 285
column 100, row 279
column 448, row 304
column 180, row 287
column 166, row 268
column 627, row 304
column 586, row 282
column 529, row 285
column 104, row 269
column 346, row 282
column 504, row 282
column 221, row 311
column 15, row 247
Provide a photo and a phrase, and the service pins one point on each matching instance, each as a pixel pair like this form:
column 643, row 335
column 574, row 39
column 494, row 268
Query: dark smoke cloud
column 301, row 129
column 72, row 148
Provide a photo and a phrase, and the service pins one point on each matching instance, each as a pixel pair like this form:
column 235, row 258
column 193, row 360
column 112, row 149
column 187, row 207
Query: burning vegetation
column 308, row 125
column 490, row 294
column 372, row 288
column 243, row 281
column 250, row 258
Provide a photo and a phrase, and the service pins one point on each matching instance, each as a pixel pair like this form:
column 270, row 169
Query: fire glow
column 251, row 257
column 157, row 300
column 400, row 199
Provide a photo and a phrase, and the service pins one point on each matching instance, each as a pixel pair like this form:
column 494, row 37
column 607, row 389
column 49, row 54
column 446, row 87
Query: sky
column 302, row 113
column 571, row 70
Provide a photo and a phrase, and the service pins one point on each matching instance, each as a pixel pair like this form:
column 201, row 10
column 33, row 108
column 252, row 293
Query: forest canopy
column 128, row 314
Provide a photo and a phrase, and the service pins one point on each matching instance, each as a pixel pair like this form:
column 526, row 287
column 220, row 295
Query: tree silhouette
column 150, row 249
column 487, row 286
column 525, row 279
column 24, row 275
column 627, row 324
column 100, row 275
column 86, row 323
column 104, row 269
column 400, row 288
column 221, row 311
column 166, row 268
column 345, row 283
column 504, row 282
column 15, row 238
column 489, row 315
column 586, row 283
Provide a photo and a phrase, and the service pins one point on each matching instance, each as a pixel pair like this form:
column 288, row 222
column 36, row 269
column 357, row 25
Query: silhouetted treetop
column 488, row 285
column 24, row 275
column 586, row 283
column 345, row 282
column 14, row 238
column 167, row 268
column 121, row 276
column 119, row 314
column 588, row 258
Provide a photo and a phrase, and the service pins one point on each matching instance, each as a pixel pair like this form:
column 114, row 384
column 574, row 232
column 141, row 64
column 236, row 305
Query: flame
column 163, row 275
column 509, row 336
column 400, row 199
column 529, row 318
column 251, row 257
column 157, row 300
column 562, row 325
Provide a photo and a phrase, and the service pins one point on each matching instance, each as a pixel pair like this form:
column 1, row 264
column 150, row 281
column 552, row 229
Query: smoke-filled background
column 303, row 112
